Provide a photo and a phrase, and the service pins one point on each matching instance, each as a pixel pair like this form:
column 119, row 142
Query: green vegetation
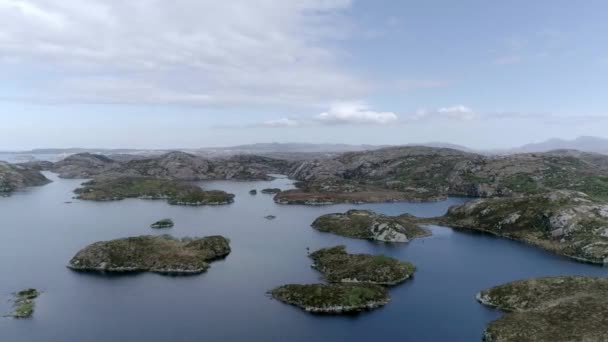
column 108, row 189
column 160, row 254
column 164, row 223
column 365, row 224
column 549, row 309
column 332, row 298
column 339, row 266
column 24, row 303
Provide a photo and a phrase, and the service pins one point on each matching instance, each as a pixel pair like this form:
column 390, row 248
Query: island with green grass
column 159, row 254
column 24, row 303
column 338, row 266
column 175, row 192
column 365, row 224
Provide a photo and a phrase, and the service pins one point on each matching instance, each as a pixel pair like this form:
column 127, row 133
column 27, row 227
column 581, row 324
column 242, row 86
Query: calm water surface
column 39, row 233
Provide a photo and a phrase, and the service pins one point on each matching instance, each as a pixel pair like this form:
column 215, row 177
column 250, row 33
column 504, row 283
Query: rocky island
column 340, row 267
column 568, row 223
column 555, row 309
column 17, row 177
column 365, row 224
column 24, row 303
column 179, row 193
column 333, row 298
column 271, row 191
column 164, row 223
column 159, row 254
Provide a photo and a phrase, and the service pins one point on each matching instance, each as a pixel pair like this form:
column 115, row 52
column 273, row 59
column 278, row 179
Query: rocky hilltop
column 566, row 222
column 338, row 266
column 159, row 254
column 17, row 177
column 426, row 173
column 556, row 309
column 176, row 192
column 332, row 298
column 365, row 224
column 172, row 165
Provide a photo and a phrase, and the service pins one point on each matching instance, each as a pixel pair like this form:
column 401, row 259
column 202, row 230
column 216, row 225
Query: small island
column 160, row 254
column 270, row 217
column 340, row 267
column 556, row 309
column 565, row 222
column 271, row 191
column 175, row 192
column 164, row 223
column 24, row 303
column 365, row 224
column 333, row 298
column 253, row 192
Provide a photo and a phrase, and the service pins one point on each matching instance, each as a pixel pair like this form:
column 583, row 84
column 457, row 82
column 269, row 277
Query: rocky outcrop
column 340, row 267
column 17, row 177
column 333, row 298
column 164, row 223
column 175, row 192
column 569, row 223
column 556, row 309
column 172, row 165
column 365, row 224
column 159, row 254
column 425, row 173
column 24, row 304
column 271, row 191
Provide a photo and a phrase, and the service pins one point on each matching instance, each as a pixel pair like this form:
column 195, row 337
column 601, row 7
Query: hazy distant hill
column 584, row 144
column 294, row 147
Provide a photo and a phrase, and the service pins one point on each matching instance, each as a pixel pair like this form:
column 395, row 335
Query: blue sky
column 190, row 73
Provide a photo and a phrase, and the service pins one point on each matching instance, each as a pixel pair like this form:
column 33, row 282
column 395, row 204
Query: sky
column 198, row 73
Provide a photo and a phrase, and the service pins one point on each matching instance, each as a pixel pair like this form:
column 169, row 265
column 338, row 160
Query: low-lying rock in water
column 333, row 298
column 253, row 192
column 24, row 304
column 566, row 222
column 160, row 254
column 340, row 267
column 271, row 191
column 549, row 309
column 164, row 223
column 270, row 217
column 176, row 192
column 365, row 224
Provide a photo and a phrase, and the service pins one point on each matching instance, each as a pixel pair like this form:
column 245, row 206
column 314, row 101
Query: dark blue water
column 39, row 234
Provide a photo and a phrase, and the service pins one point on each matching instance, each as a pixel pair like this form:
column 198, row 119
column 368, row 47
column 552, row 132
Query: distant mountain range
column 584, row 144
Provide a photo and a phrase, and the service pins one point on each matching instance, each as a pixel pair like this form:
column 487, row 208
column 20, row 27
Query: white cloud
column 355, row 113
column 201, row 52
column 457, row 112
column 282, row 122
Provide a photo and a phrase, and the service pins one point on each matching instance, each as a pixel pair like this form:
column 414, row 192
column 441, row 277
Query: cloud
column 193, row 52
column 457, row 112
column 355, row 113
column 283, row 122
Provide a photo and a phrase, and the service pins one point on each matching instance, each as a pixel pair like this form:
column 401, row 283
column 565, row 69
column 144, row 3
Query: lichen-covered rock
column 555, row 309
column 365, row 224
column 333, row 298
column 566, row 222
column 340, row 267
column 175, row 192
column 160, row 254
